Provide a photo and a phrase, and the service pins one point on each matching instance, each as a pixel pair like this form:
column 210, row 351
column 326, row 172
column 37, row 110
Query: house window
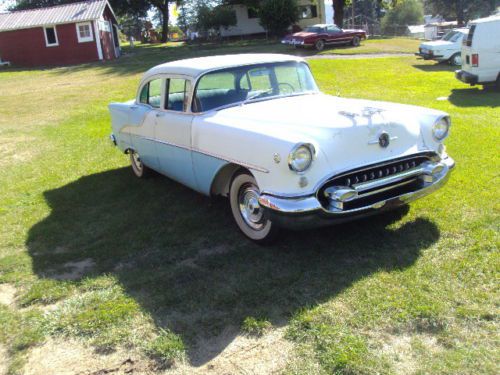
column 50, row 33
column 84, row 32
column 308, row 11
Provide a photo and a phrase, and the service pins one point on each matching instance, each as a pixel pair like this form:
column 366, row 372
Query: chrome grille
column 374, row 183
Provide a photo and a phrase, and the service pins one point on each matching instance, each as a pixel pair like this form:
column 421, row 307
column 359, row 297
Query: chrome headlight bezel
column 440, row 134
column 304, row 150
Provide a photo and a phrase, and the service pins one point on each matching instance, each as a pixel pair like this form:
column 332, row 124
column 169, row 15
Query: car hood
column 437, row 44
column 302, row 34
column 345, row 131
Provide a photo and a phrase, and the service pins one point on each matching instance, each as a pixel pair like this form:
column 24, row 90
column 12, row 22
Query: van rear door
column 467, row 50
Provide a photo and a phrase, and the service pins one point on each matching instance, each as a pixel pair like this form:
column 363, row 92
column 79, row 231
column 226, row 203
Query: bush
column 407, row 12
column 276, row 16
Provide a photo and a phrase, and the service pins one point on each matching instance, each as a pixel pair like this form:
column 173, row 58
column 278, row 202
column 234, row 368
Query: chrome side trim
column 217, row 156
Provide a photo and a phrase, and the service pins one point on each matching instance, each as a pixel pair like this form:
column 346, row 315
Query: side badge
column 277, row 158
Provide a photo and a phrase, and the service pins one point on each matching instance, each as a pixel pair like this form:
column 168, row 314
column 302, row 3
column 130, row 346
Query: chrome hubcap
column 137, row 161
column 250, row 209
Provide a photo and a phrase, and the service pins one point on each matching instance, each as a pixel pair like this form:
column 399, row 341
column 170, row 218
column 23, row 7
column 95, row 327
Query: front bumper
column 466, row 77
column 429, row 56
column 306, row 212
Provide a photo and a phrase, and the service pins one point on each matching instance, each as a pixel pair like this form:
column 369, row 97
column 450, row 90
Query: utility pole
column 353, row 15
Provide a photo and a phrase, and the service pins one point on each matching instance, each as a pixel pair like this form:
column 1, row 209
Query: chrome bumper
column 307, row 211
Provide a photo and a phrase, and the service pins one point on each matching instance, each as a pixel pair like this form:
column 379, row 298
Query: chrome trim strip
column 382, row 182
column 234, row 161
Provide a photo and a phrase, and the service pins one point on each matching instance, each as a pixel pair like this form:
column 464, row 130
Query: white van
column 448, row 48
column 481, row 53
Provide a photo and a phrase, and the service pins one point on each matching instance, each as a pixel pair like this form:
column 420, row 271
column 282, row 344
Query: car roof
column 495, row 18
column 196, row 66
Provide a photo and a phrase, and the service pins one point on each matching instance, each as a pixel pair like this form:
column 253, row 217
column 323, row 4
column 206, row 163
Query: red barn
column 60, row 35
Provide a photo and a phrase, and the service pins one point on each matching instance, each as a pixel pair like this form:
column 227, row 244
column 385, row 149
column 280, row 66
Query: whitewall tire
column 251, row 218
column 138, row 167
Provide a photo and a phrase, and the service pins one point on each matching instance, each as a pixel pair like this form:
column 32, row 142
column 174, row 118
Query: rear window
column 468, row 40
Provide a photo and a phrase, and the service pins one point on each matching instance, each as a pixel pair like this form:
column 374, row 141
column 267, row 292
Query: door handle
column 160, row 114
column 133, row 107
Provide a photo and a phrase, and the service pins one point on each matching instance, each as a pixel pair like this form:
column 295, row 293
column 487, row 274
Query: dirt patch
column 4, row 360
column 76, row 270
column 267, row 354
column 73, row 358
column 398, row 349
column 7, row 294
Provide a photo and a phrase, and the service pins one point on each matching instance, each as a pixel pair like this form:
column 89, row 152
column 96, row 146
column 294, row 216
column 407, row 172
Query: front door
column 173, row 133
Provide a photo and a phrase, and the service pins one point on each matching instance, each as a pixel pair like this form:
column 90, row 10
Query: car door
column 173, row 132
column 334, row 34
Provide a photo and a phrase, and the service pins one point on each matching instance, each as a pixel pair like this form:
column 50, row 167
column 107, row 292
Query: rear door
column 467, row 50
column 173, row 131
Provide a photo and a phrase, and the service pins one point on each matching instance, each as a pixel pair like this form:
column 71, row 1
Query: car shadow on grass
column 181, row 257
column 475, row 97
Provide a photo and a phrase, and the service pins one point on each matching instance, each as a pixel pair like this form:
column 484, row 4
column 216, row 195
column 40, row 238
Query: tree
column 407, row 12
column 212, row 18
column 276, row 16
column 462, row 10
column 338, row 12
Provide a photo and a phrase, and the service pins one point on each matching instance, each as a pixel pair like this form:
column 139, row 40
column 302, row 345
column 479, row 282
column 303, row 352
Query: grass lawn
column 90, row 254
column 382, row 45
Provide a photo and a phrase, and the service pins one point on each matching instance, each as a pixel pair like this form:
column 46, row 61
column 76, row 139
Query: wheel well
column 222, row 180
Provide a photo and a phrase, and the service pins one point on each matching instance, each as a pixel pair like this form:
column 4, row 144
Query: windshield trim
column 240, row 102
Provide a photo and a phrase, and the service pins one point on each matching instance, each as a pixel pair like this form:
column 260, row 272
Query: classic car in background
column 319, row 36
column 448, row 48
column 255, row 128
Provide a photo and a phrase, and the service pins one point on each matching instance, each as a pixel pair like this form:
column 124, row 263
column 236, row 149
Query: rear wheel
column 138, row 167
column 355, row 41
column 251, row 218
column 456, row 59
column 319, row 45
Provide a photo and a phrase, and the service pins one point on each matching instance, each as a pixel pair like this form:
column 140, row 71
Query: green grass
column 383, row 45
column 414, row 291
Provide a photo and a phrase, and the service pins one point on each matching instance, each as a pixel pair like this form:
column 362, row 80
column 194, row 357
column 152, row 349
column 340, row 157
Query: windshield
column 313, row 29
column 452, row 36
column 245, row 84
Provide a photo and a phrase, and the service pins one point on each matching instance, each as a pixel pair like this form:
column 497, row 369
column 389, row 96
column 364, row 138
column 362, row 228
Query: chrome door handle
column 132, row 107
column 160, row 114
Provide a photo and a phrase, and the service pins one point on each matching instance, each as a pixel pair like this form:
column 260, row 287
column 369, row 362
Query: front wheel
column 251, row 218
column 355, row 41
column 456, row 59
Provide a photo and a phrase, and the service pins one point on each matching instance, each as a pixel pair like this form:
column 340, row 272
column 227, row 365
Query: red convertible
column 318, row 36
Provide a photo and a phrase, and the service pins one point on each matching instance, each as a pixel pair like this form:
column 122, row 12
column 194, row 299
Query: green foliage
column 165, row 348
column 462, row 10
column 255, row 326
column 407, row 12
column 212, row 18
column 276, row 16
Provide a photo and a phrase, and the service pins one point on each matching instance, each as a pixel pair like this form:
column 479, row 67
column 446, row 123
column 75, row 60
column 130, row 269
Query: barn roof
column 75, row 12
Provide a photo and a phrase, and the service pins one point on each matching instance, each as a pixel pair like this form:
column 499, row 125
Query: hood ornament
column 383, row 140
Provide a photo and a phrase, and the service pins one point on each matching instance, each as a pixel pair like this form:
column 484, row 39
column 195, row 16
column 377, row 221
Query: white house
column 247, row 22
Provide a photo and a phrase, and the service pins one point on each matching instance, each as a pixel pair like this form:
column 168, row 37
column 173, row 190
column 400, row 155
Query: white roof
column 75, row 12
column 495, row 18
column 199, row 65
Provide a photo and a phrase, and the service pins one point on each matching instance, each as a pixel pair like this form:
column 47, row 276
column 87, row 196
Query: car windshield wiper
column 256, row 95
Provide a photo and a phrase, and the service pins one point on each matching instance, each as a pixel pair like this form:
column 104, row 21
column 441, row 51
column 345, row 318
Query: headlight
column 301, row 157
column 441, row 128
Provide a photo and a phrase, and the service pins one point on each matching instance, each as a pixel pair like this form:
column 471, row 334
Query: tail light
column 475, row 60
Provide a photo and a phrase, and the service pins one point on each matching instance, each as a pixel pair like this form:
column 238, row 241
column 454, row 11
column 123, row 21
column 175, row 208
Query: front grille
column 372, row 173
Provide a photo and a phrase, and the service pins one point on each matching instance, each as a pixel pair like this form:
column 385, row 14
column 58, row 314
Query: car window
column 249, row 83
column 333, row 29
column 177, row 91
column 151, row 93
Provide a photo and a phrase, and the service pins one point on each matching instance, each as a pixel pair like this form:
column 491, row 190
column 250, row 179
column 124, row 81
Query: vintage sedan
column 319, row 36
column 255, row 128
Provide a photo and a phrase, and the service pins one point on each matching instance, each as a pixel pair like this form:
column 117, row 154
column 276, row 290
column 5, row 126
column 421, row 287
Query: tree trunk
column 338, row 12
column 164, row 27
column 460, row 13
